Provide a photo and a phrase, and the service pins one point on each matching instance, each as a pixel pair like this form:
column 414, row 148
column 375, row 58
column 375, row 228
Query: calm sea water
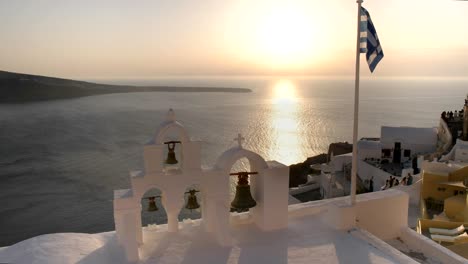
column 60, row 161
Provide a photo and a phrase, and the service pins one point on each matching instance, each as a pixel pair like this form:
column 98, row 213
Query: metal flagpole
column 356, row 107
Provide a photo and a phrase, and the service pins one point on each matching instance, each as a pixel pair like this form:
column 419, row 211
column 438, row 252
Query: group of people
column 393, row 181
column 449, row 115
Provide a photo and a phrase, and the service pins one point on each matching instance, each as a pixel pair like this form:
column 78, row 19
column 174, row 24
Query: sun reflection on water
column 286, row 145
column 284, row 92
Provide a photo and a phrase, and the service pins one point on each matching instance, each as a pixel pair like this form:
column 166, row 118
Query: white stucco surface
column 440, row 168
column 306, row 240
column 435, row 252
column 338, row 162
column 462, row 148
column 311, row 236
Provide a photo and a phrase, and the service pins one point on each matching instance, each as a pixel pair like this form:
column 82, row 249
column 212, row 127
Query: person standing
column 409, row 180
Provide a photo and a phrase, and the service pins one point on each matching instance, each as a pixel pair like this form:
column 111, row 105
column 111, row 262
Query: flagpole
column 356, row 107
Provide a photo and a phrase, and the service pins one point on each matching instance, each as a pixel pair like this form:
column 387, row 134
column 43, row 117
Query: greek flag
column 369, row 41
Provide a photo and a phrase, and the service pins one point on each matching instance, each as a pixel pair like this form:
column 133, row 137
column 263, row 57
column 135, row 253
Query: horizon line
column 251, row 76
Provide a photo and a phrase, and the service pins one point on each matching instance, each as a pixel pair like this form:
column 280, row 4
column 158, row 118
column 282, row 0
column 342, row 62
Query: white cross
column 239, row 139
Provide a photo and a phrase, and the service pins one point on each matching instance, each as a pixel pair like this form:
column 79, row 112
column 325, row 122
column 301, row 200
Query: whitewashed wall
column 366, row 171
column 414, row 190
column 444, row 135
column 439, row 168
column 383, row 213
column 429, row 247
column 337, row 162
column 459, row 145
column 418, row 140
column 328, row 188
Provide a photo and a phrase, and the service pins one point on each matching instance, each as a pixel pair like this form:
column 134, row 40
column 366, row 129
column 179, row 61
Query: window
column 386, row 153
column 407, row 153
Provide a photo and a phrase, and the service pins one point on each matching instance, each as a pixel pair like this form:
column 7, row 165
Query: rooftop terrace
column 310, row 237
column 306, row 240
column 394, row 169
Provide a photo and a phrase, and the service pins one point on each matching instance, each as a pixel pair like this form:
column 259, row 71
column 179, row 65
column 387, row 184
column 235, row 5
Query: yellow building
column 444, row 204
column 443, row 193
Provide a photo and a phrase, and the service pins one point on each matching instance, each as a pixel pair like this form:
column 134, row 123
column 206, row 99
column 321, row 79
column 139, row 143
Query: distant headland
column 22, row 88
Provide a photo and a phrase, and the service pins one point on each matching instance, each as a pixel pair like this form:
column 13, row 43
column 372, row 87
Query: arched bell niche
column 239, row 159
column 172, row 135
column 268, row 187
column 171, row 142
column 152, row 214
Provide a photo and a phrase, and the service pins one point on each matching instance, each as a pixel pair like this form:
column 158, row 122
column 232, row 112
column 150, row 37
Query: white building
column 458, row 153
column 399, row 144
column 397, row 147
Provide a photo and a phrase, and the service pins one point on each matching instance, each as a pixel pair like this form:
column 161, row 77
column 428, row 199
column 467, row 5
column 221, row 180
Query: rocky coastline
column 298, row 172
column 25, row 88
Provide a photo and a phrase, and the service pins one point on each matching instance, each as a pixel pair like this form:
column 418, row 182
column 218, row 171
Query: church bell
column 171, row 157
column 192, row 202
column 243, row 199
column 152, row 204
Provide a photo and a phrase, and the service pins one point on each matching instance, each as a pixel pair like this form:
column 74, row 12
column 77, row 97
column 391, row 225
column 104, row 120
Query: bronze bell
column 171, row 157
column 152, row 204
column 192, row 202
column 243, row 199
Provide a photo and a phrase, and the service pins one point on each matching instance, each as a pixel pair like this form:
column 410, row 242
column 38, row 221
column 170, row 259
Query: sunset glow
column 87, row 39
column 285, row 37
column 284, row 92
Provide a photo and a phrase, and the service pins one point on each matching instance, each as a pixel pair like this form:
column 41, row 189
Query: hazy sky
column 147, row 38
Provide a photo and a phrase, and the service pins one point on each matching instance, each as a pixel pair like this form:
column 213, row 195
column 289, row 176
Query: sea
column 61, row 160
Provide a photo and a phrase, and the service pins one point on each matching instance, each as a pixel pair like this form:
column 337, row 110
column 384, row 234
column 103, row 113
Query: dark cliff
column 298, row 172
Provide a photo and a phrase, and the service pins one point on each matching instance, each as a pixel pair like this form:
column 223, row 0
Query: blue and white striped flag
column 370, row 43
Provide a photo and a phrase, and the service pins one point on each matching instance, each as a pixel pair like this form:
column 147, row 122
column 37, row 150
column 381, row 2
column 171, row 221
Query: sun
column 279, row 36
